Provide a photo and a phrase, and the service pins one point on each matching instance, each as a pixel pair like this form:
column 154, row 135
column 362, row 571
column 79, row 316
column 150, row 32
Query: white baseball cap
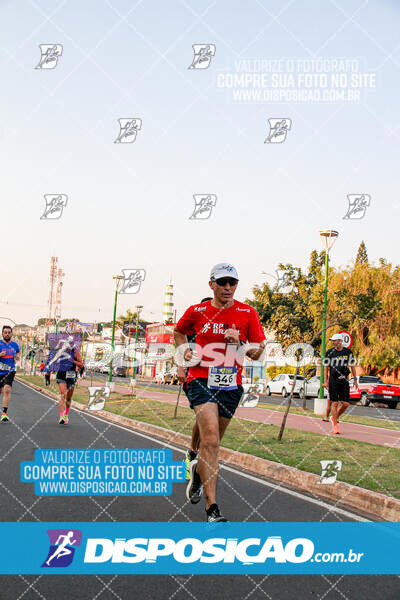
column 336, row 336
column 223, row 270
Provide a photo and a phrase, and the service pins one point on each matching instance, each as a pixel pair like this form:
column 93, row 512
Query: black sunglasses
column 224, row 280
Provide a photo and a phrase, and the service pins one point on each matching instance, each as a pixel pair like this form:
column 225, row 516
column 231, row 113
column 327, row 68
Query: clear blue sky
column 128, row 204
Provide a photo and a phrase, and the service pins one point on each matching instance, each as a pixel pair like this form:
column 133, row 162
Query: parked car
column 103, row 367
column 310, row 389
column 120, row 371
column 282, row 384
column 372, row 389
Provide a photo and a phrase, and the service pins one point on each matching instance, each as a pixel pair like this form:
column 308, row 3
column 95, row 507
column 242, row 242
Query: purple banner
column 59, row 344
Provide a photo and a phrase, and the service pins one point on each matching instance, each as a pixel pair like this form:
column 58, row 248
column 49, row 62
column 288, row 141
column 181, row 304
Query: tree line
column 363, row 298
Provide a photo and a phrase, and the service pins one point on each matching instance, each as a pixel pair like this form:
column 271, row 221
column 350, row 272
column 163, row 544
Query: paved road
column 34, row 424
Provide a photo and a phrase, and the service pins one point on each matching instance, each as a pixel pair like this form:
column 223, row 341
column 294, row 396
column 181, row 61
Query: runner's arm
column 183, row 328
column 326, row 377
column 78, row 359
column 255, row 353
column 179, row 339
column 353, row 371
column 255, row 335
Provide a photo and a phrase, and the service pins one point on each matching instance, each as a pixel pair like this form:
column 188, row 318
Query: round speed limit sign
column 347, row 339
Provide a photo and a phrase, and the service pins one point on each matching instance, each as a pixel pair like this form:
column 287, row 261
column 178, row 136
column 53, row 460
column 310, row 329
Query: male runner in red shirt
column 222, row 325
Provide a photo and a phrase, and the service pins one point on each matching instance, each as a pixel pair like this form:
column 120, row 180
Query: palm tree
column 128, row 316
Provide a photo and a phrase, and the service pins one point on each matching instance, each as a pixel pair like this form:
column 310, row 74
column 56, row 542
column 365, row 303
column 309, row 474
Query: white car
column 310, row 388
column 104, row 368
column 283, row 383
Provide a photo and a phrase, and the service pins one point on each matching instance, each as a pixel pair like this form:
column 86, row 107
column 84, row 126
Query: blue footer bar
column 199, row 548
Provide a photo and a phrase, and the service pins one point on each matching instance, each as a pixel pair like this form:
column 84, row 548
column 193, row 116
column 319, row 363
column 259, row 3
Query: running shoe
column 214, row 516
column 335, row 427
column 194, row 489
column 65, row 418
column 62, row 420
column 4, row 417
column 190, row 455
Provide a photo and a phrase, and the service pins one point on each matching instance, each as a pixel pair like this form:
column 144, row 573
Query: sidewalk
column 362, row 433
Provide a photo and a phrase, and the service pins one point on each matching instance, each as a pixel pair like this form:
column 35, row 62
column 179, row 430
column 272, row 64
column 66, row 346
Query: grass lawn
column 365, row 465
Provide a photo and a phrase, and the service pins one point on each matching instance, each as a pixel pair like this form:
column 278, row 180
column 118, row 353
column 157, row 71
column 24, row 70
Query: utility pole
column 118, row 279
column 138, row 309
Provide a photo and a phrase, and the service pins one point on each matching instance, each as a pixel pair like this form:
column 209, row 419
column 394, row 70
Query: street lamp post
column 328, row 238
column 118, row 279
column 138, row 309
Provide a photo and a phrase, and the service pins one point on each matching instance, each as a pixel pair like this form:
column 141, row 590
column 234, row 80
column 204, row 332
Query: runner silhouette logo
column 63, row 543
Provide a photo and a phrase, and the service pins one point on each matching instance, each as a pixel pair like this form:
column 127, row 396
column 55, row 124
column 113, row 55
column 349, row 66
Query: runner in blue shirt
column 9, row 352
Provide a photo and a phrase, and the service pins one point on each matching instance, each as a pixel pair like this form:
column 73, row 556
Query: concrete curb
column 342, row 495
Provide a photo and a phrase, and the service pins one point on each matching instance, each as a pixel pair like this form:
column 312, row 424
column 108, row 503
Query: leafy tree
column 287, row 311
column 131, row 317
column 362, row 256
column 362, row 298
column 70, row 320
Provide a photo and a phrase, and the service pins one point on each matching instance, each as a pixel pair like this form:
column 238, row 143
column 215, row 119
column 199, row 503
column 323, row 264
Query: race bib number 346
column 222, row 378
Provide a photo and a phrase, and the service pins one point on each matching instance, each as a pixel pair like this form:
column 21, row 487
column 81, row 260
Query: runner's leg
column 328, row 410
column 223, row 424
column 63, row 398
column 335, row 409
column 207, row 467
column 344, row 396
column 344, row 406
column 6, row 397
column 68, row 399
column 195, row 443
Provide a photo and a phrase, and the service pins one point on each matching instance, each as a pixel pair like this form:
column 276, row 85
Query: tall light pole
column 328, row 238
column 117, row 279
column 138, row 309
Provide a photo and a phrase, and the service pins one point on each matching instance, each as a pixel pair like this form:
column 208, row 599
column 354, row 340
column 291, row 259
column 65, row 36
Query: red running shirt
column 209, row 324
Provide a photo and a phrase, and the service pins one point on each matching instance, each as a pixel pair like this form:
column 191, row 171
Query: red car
column 372, row 389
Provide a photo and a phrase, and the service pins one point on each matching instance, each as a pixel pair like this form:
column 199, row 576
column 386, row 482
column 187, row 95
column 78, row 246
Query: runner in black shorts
column 214, row 384
column 336, row 364
column 68, row 359
column 9, row 352
column 192, row 452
